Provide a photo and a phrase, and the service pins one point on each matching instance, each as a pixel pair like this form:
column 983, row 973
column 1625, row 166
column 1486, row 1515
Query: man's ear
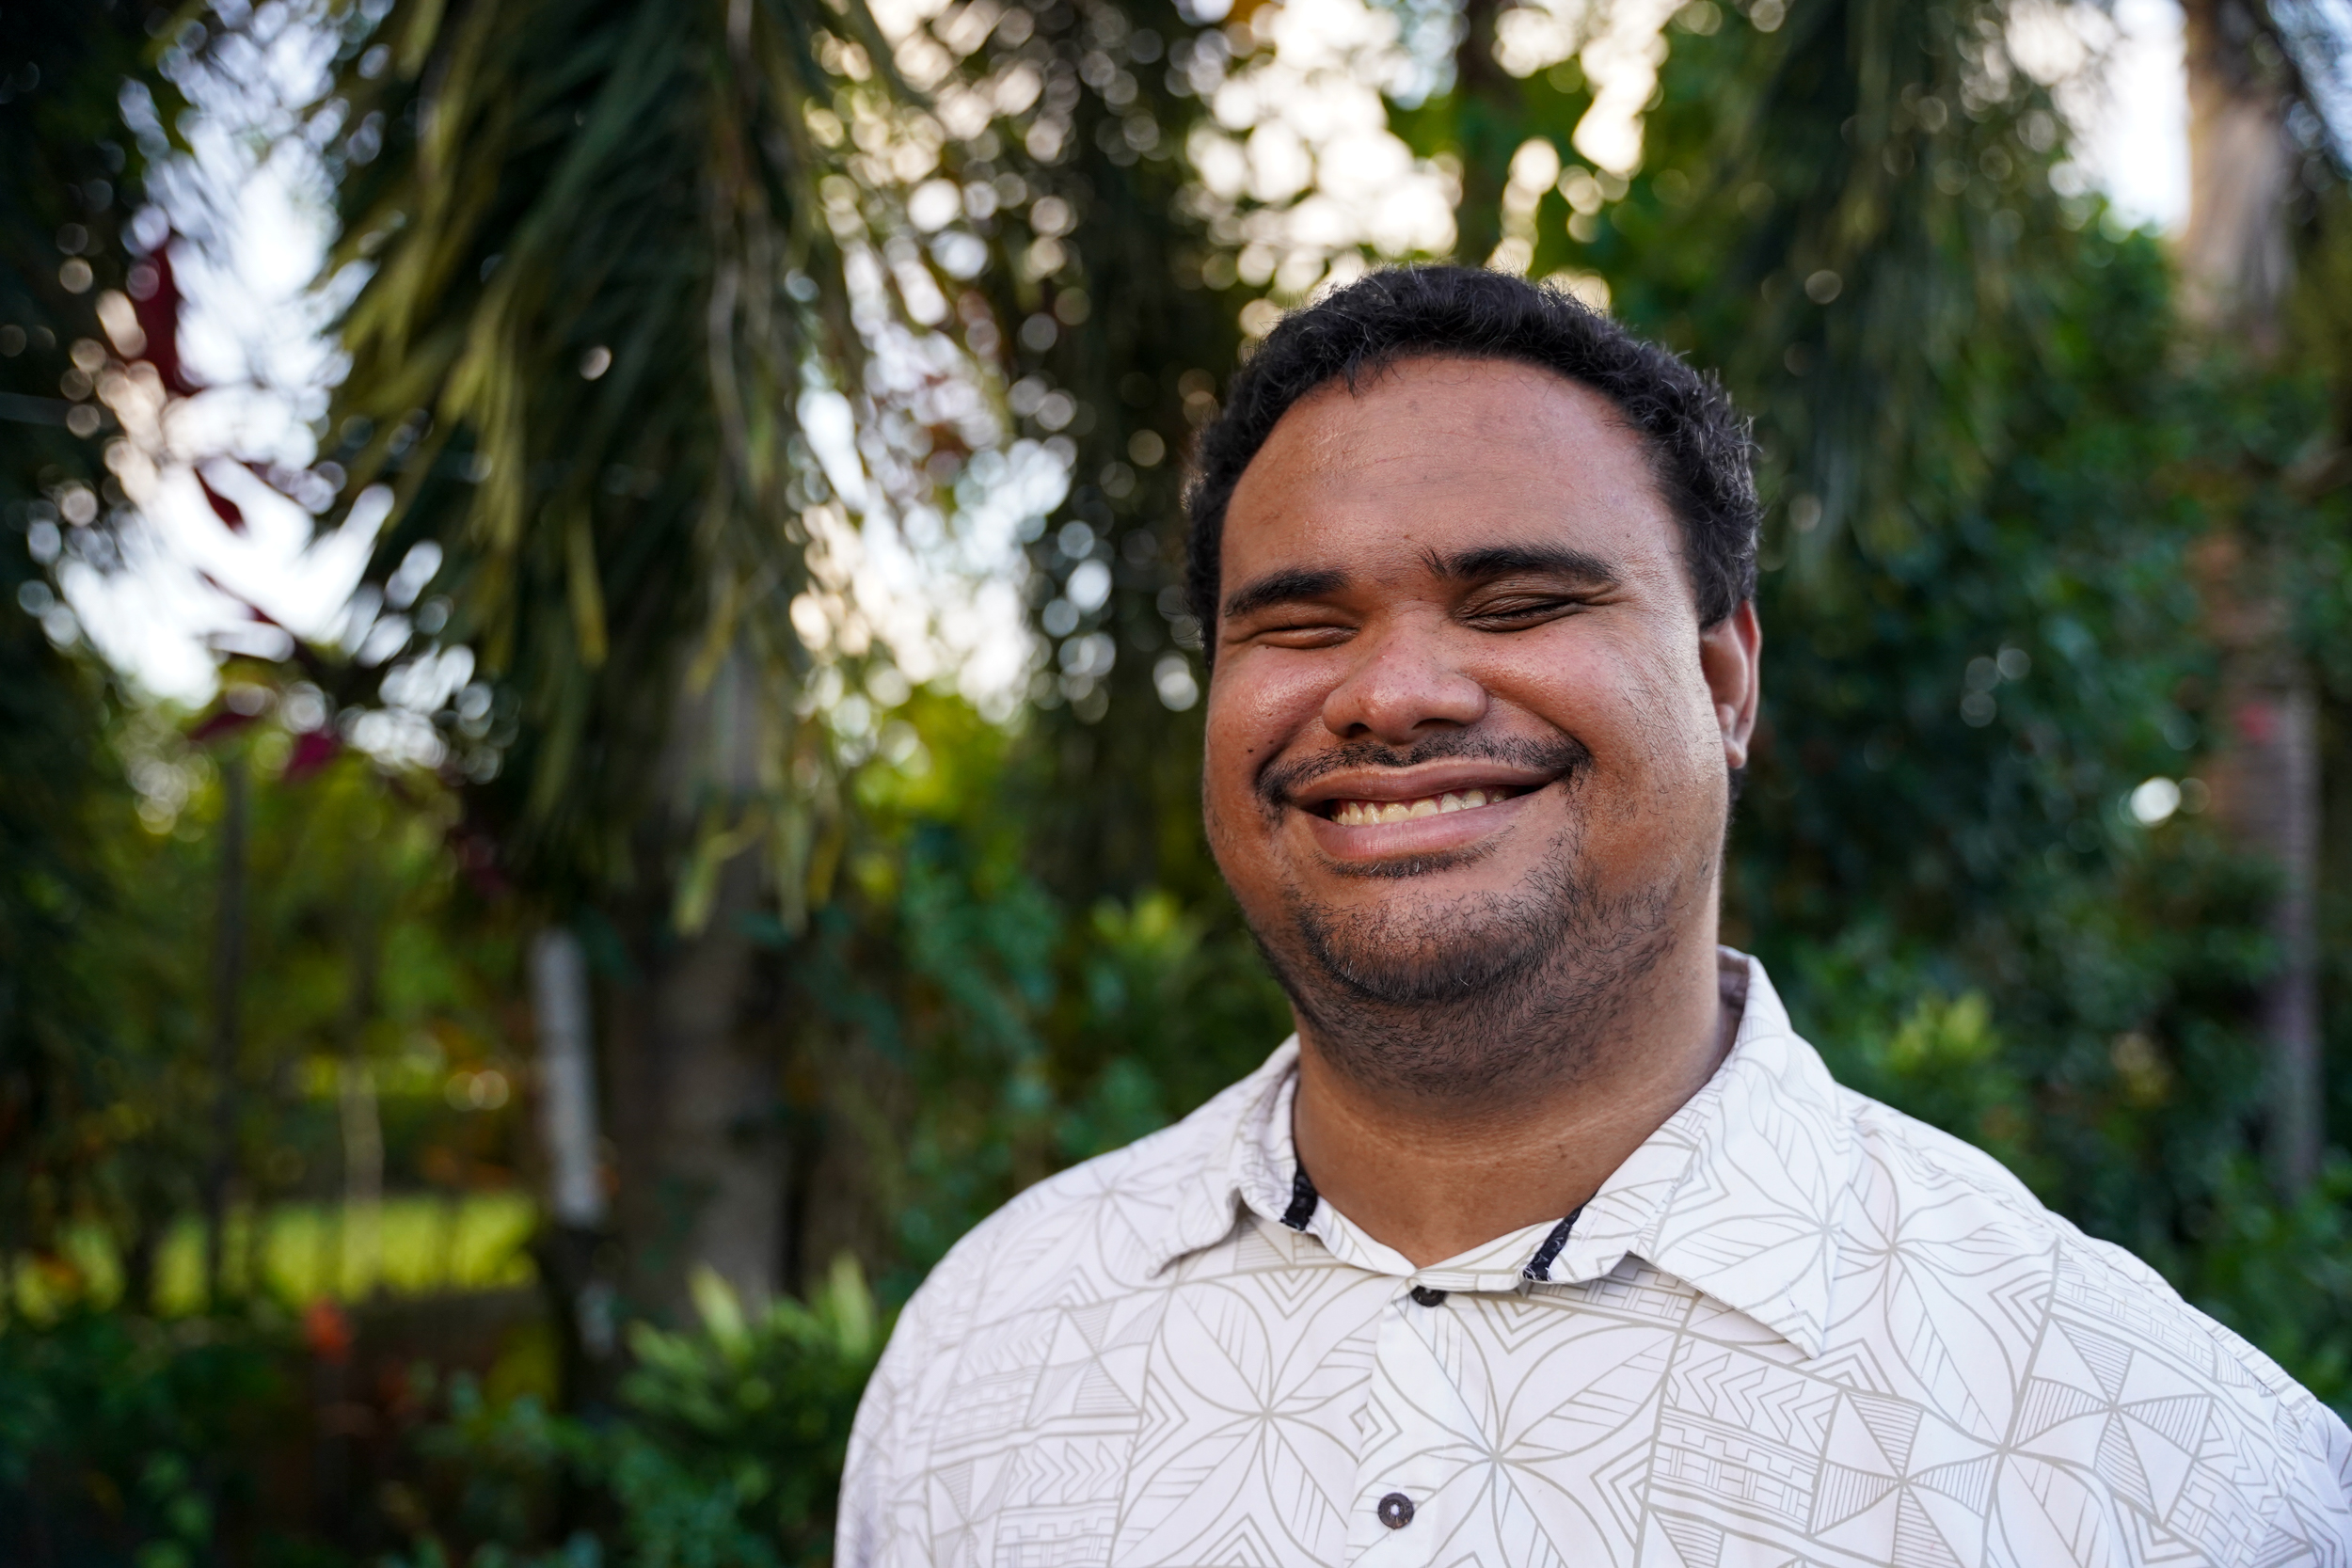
column 1730, row 652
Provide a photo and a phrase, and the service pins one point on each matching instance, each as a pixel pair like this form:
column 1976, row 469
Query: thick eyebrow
column 1498, row 561
column 1288, row 586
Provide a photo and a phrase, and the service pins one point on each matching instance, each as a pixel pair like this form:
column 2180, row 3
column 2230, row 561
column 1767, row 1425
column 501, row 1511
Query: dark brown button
column 1428, row 1297
column 1396, row 1510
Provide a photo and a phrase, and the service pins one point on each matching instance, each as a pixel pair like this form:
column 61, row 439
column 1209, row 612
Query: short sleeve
column 2312, row 1524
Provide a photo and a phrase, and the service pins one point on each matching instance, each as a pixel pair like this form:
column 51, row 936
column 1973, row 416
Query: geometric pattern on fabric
column 1795, row 1327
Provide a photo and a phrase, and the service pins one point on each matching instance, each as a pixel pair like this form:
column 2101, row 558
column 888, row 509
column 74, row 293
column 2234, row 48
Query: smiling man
column 1546, row 1240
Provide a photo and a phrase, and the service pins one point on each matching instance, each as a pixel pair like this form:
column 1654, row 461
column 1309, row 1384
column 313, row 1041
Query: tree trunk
column 2236, row 267
column 2236, row 264
column 721, row 1116
column 696, row 1068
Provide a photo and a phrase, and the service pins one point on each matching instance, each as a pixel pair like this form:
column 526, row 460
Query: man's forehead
column 1431, row 457
column 1495, row 398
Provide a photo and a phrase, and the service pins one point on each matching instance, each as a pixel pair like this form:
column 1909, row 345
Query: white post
column 568, row 1085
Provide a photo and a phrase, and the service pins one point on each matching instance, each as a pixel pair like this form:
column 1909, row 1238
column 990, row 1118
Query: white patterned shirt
column 1794, row 1328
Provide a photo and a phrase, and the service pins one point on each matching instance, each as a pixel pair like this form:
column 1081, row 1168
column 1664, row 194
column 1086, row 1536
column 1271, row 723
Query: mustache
column 1280, row 782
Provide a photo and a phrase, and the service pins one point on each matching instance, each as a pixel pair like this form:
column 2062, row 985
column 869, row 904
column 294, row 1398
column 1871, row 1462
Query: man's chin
column 1429, row 979
column 1419, row 951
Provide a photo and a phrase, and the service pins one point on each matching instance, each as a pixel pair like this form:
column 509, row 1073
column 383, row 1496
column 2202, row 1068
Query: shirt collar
column 1738, row 1194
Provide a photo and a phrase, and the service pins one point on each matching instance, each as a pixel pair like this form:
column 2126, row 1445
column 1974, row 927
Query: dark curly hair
column 1699, row 444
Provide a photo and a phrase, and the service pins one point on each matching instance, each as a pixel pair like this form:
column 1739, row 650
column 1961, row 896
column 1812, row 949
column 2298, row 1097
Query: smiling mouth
column 1365, row 814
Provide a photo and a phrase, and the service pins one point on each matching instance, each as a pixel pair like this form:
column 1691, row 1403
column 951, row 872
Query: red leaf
column 222, row 506
column 220, row 722
column 311, row 751
column 327, row 1331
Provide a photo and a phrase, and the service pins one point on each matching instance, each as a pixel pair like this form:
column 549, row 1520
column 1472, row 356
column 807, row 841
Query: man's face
column 1465, row 736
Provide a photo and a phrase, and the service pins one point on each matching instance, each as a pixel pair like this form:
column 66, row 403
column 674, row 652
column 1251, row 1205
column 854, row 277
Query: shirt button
column 1396, row 1510
column 1427, row 1298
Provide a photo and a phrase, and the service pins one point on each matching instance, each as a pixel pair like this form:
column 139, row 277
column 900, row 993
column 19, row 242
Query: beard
column 1469, row 998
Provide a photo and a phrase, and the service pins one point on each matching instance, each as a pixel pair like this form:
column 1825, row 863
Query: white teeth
column 1360, row 814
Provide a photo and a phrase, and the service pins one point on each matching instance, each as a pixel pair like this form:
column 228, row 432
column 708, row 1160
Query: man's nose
column 1402, row 686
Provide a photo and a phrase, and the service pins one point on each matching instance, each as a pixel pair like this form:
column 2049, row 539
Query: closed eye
column 1517, row 612
column 1303, row 634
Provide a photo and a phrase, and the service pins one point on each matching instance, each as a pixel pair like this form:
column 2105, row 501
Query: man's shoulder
column 1103, row 1226
column 1180, row 1161
column 1919, row 1161
column 1926, row 1195
column 2078, row 1309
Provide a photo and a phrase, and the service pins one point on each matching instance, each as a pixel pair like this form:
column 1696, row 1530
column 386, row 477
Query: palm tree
column 601, row 270
column 615, row 246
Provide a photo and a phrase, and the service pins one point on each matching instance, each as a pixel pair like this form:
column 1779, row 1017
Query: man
column 1546, row 1241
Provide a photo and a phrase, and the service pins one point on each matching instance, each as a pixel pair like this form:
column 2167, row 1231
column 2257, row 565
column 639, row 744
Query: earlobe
column 1729, row 654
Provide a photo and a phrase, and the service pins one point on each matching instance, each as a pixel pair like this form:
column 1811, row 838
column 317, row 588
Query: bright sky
column 2141, row 153
column 252, row 319
column 253, row 331
column 2137, row 141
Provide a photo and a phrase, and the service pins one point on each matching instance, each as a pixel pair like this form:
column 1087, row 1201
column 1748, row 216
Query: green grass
column 412, row 1244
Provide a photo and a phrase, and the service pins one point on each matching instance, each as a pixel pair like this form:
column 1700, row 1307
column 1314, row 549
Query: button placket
column 1422, row 1437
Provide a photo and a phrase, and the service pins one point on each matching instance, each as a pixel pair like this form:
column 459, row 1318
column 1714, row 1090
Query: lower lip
column 1415, row 835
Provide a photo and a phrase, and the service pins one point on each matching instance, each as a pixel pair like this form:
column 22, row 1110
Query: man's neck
column 1433, row 1179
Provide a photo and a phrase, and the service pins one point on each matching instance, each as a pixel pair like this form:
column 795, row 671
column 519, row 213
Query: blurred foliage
column 1014, row 1034
column 600, row 212
column 127, row 1441
column 374, row 992
column 600, row 280
column 69, row 172
column 726, row 1449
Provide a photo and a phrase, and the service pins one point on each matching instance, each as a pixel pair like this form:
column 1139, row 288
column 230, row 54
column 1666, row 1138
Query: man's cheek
column 1220, row 822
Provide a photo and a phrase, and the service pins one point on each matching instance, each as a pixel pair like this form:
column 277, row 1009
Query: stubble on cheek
column 1464, row 996
column 1405, row 947
column 1468, row 998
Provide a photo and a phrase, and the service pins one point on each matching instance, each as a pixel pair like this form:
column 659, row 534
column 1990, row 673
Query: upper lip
column 1423, row 779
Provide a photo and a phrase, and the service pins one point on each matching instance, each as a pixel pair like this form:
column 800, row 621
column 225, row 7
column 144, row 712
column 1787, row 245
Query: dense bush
column 724, row 1452
column 125, row 1441
column 128, row 1442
